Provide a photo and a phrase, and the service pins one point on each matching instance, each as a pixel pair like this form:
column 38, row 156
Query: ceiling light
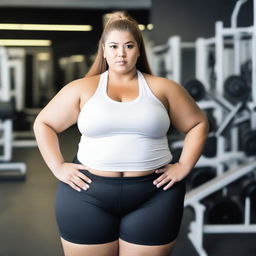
column 44, row 27
column 150, row 26
column 141, row 27
column 24, row 42
column 43, row 56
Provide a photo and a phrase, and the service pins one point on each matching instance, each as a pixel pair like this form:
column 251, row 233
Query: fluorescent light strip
column 46, row 27
column 25, row 42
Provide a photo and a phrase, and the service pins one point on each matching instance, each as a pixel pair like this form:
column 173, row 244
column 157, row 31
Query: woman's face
column 121, row 51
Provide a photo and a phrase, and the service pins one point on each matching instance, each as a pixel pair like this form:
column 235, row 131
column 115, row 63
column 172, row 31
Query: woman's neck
column 121, row 77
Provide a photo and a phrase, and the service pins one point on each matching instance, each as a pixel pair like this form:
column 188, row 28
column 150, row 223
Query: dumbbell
column 223, row 210
column 249, row 142
column 236, row 89
column 200, row 175
column 210, row 147
column 196, row 89
column 176, row 155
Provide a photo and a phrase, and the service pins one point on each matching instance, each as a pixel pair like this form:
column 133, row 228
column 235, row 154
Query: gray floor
column 27, row 222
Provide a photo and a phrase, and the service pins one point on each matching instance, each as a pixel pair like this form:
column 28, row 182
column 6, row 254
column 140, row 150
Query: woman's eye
column 113, row 46
column 130, row 46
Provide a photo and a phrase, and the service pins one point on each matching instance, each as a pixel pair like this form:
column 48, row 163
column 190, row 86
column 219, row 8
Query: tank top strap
column 101, row 84
column 144, row 85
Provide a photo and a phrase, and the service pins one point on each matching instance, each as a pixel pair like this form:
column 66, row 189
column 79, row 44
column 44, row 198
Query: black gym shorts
column 130, row 208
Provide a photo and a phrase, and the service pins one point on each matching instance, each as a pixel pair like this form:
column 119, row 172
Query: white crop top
column 123, row 136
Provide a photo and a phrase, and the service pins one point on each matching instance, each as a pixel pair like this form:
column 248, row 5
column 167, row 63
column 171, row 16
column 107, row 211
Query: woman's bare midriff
column 120, row 174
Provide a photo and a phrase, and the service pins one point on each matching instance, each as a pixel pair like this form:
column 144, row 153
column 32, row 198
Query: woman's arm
column 186, row 117
column 58, row 115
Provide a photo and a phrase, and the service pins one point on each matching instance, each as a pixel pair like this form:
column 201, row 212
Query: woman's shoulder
column 82, row 85
column 84, row 81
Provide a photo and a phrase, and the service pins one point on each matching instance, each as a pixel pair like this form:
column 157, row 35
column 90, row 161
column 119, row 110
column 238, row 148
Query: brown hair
column 121, row 21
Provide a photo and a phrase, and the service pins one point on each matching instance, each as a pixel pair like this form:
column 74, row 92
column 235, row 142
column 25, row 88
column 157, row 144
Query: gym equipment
column 196, row 89
column 249, row 142
column 210, row 148
column 7, row 168
column 212, row 121
column 21, row 123
column 7, row 110
column 236, row 88
column 176, row 152
column 246, row 72
column 224, row 210
column 230, row 94
column 195, row 196
column 167, row 58
column 200, row 175
column 249, row 191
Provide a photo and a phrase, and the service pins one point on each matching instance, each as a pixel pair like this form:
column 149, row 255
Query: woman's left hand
column 172, row 173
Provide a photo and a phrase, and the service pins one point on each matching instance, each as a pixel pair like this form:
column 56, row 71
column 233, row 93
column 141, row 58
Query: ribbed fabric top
column 123, row 136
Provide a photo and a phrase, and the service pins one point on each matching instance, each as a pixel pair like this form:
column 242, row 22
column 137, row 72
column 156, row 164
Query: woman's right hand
column 70, row 174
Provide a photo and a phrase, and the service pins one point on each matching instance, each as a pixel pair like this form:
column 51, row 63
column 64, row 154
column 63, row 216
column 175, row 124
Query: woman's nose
column 121, row 52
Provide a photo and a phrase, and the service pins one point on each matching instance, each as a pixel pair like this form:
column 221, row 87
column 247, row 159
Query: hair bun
column 114, row 16
column 118, row 15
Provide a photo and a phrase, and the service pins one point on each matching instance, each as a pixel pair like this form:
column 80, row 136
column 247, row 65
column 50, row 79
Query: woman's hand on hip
column 70, row 174
column 172, row 173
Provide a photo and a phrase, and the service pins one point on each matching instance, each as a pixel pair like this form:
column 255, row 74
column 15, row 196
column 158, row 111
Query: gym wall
column 191, row 19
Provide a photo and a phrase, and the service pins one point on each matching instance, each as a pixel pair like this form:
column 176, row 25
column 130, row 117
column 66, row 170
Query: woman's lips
column 121, row 62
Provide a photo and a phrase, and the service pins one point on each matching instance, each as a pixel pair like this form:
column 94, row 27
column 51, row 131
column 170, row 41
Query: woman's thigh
column 130, row 249
column 106, row 249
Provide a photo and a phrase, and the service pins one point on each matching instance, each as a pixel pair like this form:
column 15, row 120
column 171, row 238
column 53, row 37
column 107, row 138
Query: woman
column 121, row 195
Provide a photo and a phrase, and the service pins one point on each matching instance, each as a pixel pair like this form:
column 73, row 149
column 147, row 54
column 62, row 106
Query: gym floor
column 27, row 221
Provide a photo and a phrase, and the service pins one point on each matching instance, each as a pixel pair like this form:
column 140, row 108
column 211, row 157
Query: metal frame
column 6, row 125
column 193, row 198
column 227, row 112
column 171, row 55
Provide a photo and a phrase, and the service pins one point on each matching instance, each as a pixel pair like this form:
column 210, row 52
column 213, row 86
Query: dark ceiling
column 80, row 42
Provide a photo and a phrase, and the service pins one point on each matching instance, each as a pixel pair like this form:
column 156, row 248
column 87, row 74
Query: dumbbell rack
column 233, row 163
column 239, row 164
